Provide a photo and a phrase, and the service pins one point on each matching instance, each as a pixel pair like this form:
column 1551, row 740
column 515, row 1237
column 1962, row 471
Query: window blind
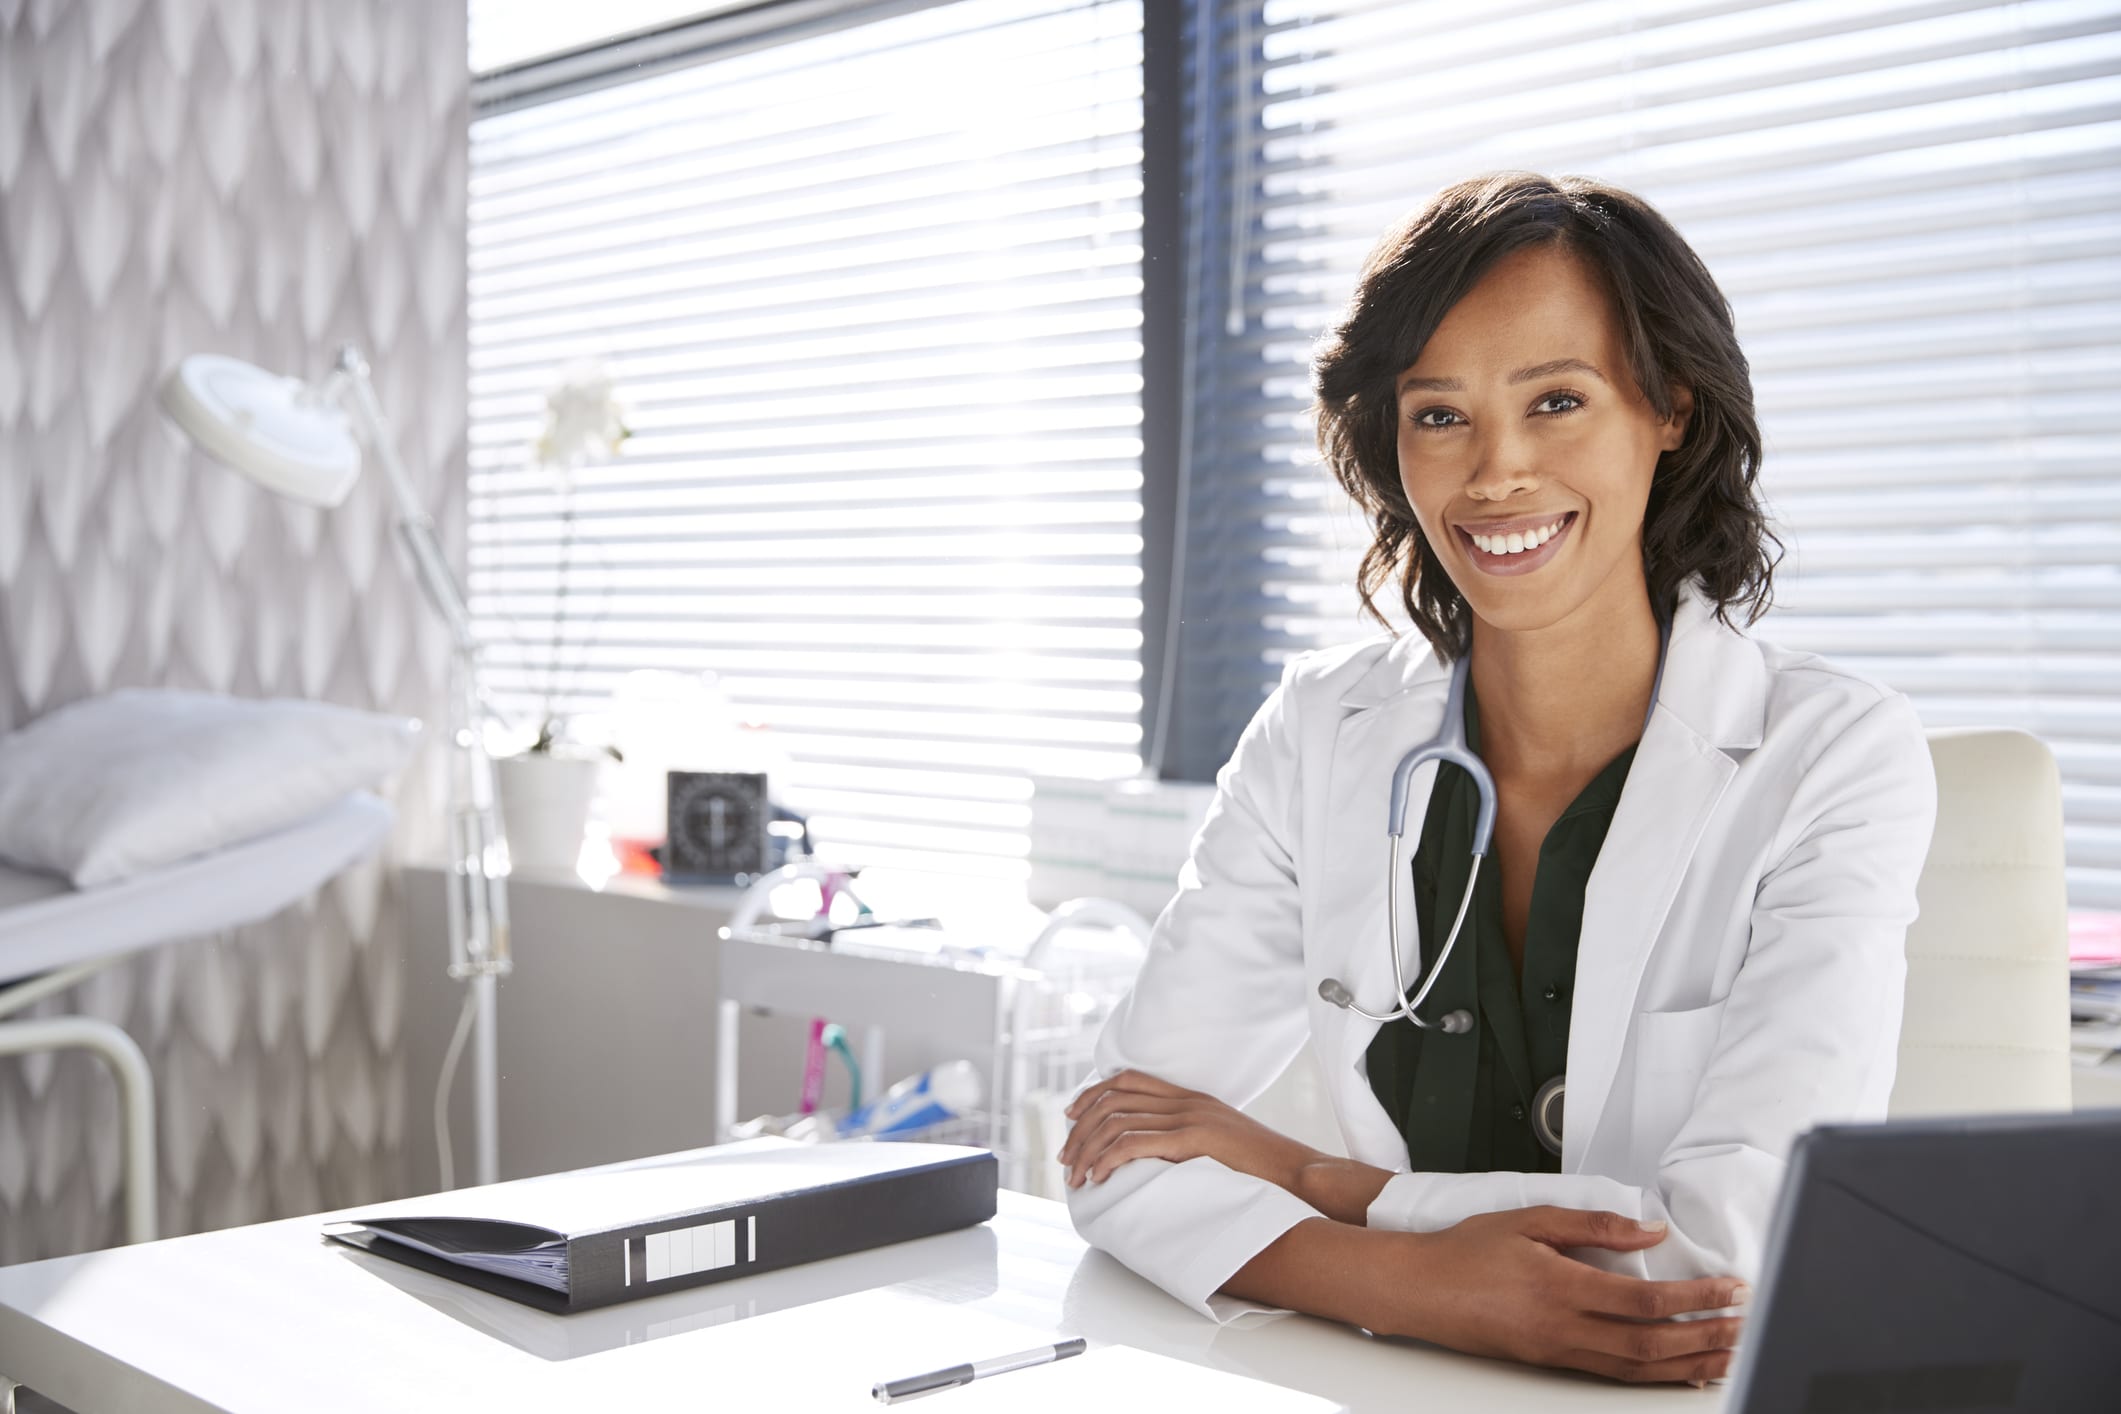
column 1915, row 210
column 872, row 297
column 503, row 34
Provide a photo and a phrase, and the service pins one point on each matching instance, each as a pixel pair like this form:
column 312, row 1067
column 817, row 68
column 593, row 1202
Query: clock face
column 716, row 820
column 717, row 825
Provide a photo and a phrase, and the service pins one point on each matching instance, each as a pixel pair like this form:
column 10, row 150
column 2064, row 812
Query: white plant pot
column 545, row 803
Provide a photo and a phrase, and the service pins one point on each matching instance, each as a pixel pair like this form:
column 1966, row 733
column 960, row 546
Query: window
column 1915, row 209
column 873, row 296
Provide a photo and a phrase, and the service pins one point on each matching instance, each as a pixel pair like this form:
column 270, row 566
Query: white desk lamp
column 297, row 439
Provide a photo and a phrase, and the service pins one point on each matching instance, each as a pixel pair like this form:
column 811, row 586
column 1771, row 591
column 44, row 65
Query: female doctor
column 1688, row 924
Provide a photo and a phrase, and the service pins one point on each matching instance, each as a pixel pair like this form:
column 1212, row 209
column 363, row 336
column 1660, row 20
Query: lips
column 1515, row 523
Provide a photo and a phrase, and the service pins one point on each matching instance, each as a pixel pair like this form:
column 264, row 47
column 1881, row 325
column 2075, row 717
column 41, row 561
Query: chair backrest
column 1987, row 1020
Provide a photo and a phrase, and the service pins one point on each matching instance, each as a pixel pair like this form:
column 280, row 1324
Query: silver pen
column 889, row 1391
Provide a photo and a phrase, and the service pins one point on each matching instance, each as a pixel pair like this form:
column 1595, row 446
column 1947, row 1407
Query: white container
column 1122, row 840
column 545, row 804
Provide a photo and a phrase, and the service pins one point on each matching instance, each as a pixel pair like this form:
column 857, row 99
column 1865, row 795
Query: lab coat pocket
column 1671, row 1051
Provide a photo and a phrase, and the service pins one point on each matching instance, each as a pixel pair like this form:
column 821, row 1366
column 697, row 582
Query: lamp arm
column 416, row 528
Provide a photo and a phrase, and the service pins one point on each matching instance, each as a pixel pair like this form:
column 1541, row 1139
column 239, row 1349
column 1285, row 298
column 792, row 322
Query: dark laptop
column 1966, row 1264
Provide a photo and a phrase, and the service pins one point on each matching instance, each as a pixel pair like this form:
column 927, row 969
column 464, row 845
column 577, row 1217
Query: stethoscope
column 1450, row 745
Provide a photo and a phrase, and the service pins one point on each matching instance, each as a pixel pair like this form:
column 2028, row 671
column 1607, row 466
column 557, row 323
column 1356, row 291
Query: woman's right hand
column 1499, row 1284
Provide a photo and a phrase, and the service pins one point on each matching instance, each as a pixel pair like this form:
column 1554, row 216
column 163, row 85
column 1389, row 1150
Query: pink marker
column 814, row 1067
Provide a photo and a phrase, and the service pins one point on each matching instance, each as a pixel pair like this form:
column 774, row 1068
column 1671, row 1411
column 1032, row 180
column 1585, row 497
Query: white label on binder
column 658, row 1255
column 703, row 1248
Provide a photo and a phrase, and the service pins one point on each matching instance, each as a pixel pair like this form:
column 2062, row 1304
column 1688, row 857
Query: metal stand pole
column 485, row 1079
column 479, row 950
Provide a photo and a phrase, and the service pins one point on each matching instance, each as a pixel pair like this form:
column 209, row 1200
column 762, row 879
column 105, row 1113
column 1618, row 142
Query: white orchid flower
column 584, row 420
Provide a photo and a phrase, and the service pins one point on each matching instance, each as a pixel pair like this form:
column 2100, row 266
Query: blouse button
column 1517, row 1112
column 1552, row 993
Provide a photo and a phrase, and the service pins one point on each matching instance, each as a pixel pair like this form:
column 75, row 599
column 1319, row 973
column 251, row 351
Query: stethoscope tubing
column 1453, row 1022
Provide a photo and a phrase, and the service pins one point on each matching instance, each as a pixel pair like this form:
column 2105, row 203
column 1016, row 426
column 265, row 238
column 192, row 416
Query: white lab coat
column 1738, row 980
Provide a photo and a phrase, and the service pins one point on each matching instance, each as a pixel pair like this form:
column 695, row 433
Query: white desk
column 2095, row 1087
column 273, row 1318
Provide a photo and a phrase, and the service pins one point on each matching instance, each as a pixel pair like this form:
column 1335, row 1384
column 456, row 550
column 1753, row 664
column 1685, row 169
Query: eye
column 1423, row 418
column 1572, row 402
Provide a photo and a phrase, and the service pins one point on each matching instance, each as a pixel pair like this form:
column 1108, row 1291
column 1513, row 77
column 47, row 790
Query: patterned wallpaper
column 267, row 179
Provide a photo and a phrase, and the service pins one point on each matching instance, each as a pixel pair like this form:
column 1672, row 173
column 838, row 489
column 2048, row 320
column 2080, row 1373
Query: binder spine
column 781, row 1231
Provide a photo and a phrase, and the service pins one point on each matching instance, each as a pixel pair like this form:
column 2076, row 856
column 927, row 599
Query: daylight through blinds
column 873, row 298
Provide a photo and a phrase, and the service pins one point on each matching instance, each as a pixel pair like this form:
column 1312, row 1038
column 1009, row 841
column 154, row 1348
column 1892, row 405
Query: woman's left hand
column 1130, row 1115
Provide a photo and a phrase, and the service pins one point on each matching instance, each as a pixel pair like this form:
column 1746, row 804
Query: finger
column 1110, row 1103
column 1589, row 1227
column 1135, row 1080
column 1653, row 1342
column 1117, row 1099
column 1612, row 1294
column 1108, row 1132
column 1683, row 1369
column 1088, row 1095
column 1091, row 1136
column 1176, row 1145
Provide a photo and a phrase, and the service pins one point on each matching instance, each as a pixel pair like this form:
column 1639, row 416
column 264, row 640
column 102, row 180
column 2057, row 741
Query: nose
column 1504, row 468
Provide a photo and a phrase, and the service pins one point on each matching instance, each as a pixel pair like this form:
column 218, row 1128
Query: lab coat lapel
column 1672, row 787
column 1709, row 712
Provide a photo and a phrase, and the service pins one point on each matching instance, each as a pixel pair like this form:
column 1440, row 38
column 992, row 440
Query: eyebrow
column 1522, row 375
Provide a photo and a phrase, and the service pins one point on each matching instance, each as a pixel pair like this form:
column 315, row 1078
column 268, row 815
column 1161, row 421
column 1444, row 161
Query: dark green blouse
column 1464, row 1102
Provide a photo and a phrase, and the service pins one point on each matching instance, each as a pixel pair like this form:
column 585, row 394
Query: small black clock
column 717, row 827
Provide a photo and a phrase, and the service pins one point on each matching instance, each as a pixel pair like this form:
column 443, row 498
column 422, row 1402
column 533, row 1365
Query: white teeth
column 1517, row 542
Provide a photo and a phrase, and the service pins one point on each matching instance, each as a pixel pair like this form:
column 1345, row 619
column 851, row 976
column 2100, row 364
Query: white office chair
column 1987, row 1021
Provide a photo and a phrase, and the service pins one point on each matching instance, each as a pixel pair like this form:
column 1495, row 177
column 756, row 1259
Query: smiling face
column 1521, row 424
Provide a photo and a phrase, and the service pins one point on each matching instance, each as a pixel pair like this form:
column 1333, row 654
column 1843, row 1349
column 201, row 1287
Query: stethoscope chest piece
column 1546, row 1114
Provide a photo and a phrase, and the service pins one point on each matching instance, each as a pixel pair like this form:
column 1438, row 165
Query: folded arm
column 1218, row 1008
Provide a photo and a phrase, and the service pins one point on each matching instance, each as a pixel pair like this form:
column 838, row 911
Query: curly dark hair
column 1703, row 518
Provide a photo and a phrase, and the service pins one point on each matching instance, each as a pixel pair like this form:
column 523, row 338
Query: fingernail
column 1740, row 1295
column 1658, row 1225
column 1699, row 1384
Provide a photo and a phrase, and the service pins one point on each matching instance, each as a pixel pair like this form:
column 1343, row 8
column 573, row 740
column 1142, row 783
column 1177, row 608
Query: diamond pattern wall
column 266, row 179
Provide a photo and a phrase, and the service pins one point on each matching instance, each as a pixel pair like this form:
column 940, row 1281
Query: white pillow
column 114, row 786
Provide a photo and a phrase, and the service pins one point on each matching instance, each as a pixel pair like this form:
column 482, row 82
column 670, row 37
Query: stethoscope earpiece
column 1333, row 990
